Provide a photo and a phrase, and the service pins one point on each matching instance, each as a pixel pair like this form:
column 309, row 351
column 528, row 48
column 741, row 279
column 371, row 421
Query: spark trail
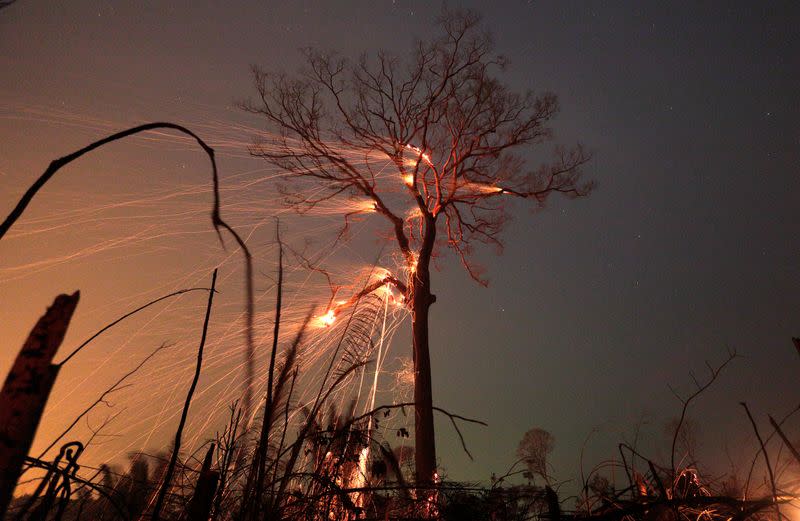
column 126, row 242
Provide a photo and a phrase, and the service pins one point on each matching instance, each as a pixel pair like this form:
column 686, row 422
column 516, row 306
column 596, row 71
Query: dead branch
column 714, row 373
column 766, row 440
column 766, row 458
column 786, row 441
column 452, row 417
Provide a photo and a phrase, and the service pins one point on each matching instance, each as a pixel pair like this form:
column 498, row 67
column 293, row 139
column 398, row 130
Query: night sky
column 687, row 247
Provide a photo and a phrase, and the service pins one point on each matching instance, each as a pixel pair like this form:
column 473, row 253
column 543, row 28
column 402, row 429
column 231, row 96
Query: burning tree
column 439, row 133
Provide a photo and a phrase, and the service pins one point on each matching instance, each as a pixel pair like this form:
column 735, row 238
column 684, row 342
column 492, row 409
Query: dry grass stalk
column 177, row 445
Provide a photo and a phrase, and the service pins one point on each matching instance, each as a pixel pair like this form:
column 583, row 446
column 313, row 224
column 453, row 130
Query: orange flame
column 426, row 158
column 327, row 319
column 368, row 206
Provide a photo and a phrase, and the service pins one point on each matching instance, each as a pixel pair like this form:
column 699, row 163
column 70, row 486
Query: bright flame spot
column 327, row 319
column 426, row 158
column 361, row 476
column 433, row 498
column 381, row 274
column 408, row 179
column 368, row 206
column 484, row 188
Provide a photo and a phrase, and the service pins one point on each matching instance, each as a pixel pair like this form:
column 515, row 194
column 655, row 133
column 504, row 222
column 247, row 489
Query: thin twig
column 105, row 393
column 784, row 438
column 686, row 401
column 766, row 458
column 123, row 317
column 766, row 440
column 451, row 416
column 177, row 445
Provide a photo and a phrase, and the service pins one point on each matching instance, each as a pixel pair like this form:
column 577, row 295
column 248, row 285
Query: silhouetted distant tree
column 533, row 449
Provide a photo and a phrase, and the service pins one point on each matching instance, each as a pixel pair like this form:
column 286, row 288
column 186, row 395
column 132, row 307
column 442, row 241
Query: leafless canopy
column 533, row 449
column 441, row 126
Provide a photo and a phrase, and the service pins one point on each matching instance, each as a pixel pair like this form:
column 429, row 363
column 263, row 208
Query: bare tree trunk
column 26, row 389
column 425, row 443
column 425, row 447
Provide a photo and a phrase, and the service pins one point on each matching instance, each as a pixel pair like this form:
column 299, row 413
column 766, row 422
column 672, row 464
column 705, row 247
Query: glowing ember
column 360, row 480
column 412, row 265
column 327, row 319
column 420, row 155
column 408, row 179
column 381, row 274
column 431, row 507
column 368, row 206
